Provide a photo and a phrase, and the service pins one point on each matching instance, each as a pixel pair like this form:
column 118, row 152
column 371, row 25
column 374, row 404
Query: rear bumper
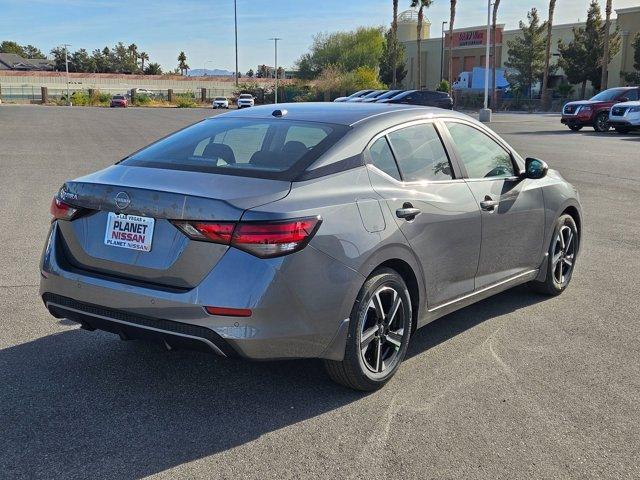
column 299, row 304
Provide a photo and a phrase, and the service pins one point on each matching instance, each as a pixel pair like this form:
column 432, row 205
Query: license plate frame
column 133, row 232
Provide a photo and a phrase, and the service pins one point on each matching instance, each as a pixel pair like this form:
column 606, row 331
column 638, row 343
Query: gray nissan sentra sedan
column 328, row 230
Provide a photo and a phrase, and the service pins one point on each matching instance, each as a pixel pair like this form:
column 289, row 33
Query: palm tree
column 143, row 56
column 394, row 39
column 452, row 18
column 545, row 75
column 605, row 52
column 182, row 63
column 133, row 51
column 494, row 29
column 421, row 4
column 153, row 69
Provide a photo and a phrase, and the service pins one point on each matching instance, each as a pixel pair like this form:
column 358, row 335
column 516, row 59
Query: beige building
column 469, row 47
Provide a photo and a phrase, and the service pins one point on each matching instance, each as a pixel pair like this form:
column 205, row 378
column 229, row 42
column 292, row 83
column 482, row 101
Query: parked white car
column 220, row 102
column 245, row 100
column 144, row 91
column 625, row 116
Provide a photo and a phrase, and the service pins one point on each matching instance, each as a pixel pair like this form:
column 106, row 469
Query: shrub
column 142, row 100
column 185, row 101
column 564, row 90
column 443, row 86
column 80, row 98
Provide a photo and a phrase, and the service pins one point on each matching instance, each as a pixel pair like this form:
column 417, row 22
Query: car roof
column 341, row 113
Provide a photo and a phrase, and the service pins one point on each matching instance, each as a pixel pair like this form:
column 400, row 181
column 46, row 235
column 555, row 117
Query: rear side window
column 382, row 158
column 420, row 153
column 632, row 95
column 267, row 148
column 481, row 155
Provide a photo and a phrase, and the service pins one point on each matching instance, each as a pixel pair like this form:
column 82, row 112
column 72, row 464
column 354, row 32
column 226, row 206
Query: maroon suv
column 595, row 111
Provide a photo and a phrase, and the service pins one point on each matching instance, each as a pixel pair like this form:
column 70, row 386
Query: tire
column 601, row 122
column 575, row 128
column 375, row 348
column 563, row 250
column 623, row 129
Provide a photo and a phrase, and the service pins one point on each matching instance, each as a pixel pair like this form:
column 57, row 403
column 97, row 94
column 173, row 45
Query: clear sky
column 204, row 29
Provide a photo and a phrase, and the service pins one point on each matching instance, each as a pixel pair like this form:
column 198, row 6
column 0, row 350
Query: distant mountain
column 201, row 72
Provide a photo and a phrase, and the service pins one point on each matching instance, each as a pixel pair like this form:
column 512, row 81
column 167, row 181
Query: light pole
column 442, row 51
column 275, row 68
column 485, row 113
column 66, row 67
column 204, row 70
column 235, row 20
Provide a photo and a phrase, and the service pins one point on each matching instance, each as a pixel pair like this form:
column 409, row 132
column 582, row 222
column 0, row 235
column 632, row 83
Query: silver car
column 326, row 230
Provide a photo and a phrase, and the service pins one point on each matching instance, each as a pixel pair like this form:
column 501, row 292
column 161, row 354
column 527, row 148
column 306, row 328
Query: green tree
column 182, row 63
column 394, row 45
column 594, row 44
column 547, row 56
column 421, row 5
column 143, row 56
column 58, row 57
column 8, row 46
column 81, row 61
column 526, row 53
column 573, row 58
column 32, row 52
column 391, row 50
column 345, row 50
column 153, row 69
column 250, row 73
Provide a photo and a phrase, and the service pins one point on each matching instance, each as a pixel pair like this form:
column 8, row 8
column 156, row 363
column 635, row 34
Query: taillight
column 262, row 239
column 61, row 210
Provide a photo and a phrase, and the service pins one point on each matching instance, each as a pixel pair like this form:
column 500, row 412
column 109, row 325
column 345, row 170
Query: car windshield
column 607, row 95
column 246, row 95
column 255, row 147
column 390, row 93
column 222, row 99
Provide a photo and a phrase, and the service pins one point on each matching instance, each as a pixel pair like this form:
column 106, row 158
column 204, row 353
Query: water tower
column 408, row 26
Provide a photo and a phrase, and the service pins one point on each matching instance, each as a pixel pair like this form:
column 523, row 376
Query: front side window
column 241, row 146
column 420, row 153
column 382, row 158
column 481, row 155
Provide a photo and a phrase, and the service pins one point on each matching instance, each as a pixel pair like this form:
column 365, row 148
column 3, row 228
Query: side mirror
column 535, row 168
column 624, row 99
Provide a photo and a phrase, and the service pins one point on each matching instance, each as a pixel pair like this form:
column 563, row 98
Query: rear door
column 512, row 207
column 433, row 207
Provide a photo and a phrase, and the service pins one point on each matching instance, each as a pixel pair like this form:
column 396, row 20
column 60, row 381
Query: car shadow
column 79, row 402
column 466, row 318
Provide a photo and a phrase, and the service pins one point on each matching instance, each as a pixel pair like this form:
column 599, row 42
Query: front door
column 433, row 208
column 512, row 207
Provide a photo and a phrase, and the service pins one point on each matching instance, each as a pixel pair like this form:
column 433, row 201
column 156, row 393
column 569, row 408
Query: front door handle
column 408, row 212
column 488, row 204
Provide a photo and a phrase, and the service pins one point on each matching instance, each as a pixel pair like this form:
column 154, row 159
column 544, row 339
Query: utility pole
column 235, row 19
column 485, row 113
column 442, row 51
column 275, row 68
column 66, row 67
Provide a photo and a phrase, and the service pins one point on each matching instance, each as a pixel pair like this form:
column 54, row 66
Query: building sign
column 475, row 37
column 472, row 38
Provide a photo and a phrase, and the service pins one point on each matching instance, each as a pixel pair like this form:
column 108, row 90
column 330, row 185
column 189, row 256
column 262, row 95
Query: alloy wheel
column 602, row 123
column 564, row 254
column 382, row 331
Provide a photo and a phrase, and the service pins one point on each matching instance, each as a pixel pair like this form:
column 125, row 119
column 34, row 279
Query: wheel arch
column 411, row 280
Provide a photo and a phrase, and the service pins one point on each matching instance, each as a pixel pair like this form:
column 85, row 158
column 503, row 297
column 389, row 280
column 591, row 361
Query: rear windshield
column 118, row 97
column 256, row 147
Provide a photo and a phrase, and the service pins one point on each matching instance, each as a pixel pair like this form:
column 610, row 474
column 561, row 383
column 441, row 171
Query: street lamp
column 485, row 113
column 235, row 20
column 442, row 51
column 204, row 70
column 66, row 67
column 275, row 44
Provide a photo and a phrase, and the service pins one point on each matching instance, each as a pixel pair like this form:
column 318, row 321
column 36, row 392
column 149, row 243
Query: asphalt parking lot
column 517, row 386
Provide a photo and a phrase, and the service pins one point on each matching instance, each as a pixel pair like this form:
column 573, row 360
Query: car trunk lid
column 163, row 195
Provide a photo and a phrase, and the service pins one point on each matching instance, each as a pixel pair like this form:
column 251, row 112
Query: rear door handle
column 408, row 212
column 488, row 204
